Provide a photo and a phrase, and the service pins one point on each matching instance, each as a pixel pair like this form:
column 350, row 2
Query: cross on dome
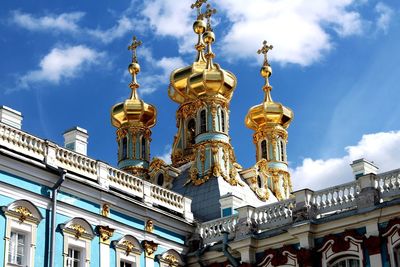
column 198, row 4
column 208, row 14
column 133, row 46
column 264, row 50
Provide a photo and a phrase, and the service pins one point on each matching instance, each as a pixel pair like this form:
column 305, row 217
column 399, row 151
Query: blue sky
column 335, row 63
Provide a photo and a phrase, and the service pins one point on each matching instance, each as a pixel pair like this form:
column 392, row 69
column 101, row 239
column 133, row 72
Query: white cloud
column 382, row 148
column 68, row 22
column 166, row 157
column 63, row 22
column 123, row 26
column 61, row 63
column 385, row 16
column 157, row 72
column 301, row 30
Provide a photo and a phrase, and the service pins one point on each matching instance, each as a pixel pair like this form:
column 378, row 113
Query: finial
column 209, row 36
column 199, row 27
column 266, row 70
column 134, row 67
column 208, row 14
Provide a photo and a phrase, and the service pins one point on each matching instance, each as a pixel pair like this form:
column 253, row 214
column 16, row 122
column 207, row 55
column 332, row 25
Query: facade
column 61, row 208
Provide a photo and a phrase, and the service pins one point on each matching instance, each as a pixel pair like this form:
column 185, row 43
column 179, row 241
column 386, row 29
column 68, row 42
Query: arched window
column 191, row 131
column 259, row 182
column 223, row 120
column 143, row 148
column 282, row 150
column 160, row 179
column 346, row 262
column 203, row 121
column 264, row 153
column 124, row 148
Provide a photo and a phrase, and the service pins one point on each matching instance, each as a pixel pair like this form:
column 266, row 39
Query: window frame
column 22, row 216
column 80, row 240
column 203, row 122
column 121, row 250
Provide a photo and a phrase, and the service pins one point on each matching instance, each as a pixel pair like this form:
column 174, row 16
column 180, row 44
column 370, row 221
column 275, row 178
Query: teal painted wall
column 95, row 252
column 42, row 239
column 23, row 183
column 58, row 256
column 4, row 201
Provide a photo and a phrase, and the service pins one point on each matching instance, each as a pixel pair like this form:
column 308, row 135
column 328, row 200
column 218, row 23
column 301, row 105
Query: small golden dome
column 133, row 111
column 268, row 112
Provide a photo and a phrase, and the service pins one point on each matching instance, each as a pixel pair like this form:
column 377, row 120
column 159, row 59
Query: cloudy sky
column 335, row 64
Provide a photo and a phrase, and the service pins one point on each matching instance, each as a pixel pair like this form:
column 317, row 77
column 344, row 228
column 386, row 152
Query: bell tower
column 133, row 119
column 204, row 91
column 270, row 121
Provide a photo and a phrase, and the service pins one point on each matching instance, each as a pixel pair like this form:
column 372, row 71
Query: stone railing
column 96, row 171
column 275, row 214
column 81, row 164
column 213, row 230
column 388, row 184
column 166, row 198
column 125, row 181
column 22, row 142
column 336, row 198
column 306, row 205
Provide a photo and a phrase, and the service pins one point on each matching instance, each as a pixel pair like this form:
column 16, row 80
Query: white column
column 104, row 254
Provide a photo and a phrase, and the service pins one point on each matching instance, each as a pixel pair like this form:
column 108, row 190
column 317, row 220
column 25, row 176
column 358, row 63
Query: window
column 259, row 182
column 125, row 263
column 17, row 251
column 191, row 132
column 128, row 251
column 124, row 144
column 74, row 257
column 346, row 263
column 22, row 218
column 160, row 179
column 203, row 121
column 78, row 235
column 264, row 153
column 143, row 148
column 281, row 149
column 222, row 121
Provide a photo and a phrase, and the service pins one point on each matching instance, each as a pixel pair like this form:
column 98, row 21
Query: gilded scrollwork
column 23, row 212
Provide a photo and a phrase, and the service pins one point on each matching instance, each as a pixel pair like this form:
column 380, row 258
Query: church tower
column 133, row 119
column 270, row 121
column 204, row 91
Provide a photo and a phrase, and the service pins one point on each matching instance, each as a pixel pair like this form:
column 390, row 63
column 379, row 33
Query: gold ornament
column 105, row 210
column 23, row 212
column 149, row 227
column 79, row 230
column 149, row 247
column 105, row 233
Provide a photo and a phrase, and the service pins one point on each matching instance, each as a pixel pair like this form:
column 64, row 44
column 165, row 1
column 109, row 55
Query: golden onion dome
column 268, row 112
column 203, row 78
column 133, row 111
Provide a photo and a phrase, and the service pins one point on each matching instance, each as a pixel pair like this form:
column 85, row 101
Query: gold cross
column 209, row 12
column 264, row 50
column 133, row 46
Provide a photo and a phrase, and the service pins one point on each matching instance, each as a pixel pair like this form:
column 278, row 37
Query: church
column 61, row 208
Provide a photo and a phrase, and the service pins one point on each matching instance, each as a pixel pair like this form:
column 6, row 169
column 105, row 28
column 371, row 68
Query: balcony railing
column 93, row 170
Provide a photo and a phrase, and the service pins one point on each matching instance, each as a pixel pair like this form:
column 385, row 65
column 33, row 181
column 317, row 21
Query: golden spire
column 266, row 70
column 133, row 111
column 199, row 28
column 134, row 67
column 268, row 112
column 209, row 36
